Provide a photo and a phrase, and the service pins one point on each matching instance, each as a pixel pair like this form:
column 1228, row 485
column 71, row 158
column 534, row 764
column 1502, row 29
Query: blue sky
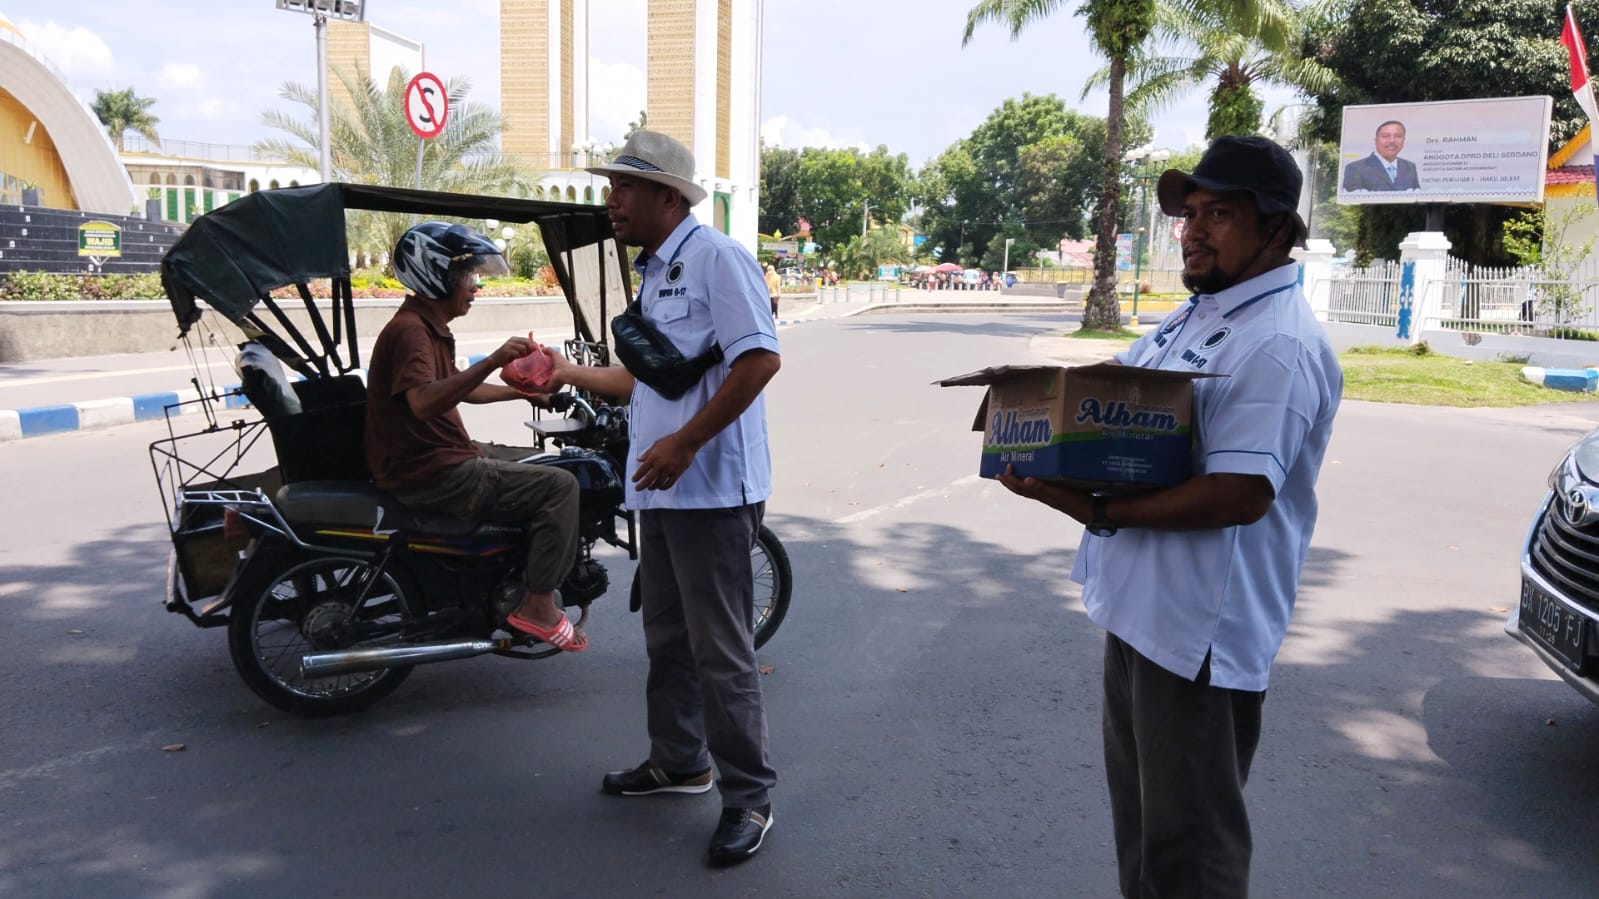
column 837, row 72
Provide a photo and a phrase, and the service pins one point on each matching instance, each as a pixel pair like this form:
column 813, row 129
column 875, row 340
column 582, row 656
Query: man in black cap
column 1194, row 583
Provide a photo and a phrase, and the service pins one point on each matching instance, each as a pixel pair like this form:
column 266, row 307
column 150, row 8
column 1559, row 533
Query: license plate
column 1553, row 624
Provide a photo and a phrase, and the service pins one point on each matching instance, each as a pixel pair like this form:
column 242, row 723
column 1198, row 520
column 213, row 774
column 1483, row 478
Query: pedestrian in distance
column 1194, row 584
column 699, row 477
column 774, row 286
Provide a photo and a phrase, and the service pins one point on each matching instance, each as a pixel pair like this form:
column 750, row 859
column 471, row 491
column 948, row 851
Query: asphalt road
column 933, row 695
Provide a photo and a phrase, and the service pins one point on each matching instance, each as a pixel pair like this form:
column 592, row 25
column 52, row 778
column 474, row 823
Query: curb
column 1575, row 380
column 15, row 424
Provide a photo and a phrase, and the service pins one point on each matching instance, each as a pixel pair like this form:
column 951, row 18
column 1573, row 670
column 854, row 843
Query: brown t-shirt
column 406, row 452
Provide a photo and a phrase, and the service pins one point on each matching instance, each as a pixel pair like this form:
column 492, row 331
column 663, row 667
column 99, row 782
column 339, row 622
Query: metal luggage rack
column 201, row 474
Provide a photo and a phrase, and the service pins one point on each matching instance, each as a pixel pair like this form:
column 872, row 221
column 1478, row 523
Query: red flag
column 1581, row 87
column 1577, row 52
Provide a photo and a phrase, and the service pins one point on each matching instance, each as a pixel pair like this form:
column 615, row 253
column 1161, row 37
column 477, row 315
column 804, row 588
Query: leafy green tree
column 1425, row 50
column 1117, row 28
column 859, row 257
column 841, row 192
column 370, row 143
column 1031, row 169
column 123, row 111
column 780, row 180
column 1558, row 242
column 1206, row 44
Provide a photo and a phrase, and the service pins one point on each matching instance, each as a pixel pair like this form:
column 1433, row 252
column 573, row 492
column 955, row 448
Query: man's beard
column 1214, row 281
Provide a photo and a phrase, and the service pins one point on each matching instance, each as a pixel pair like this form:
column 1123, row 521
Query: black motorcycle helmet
column 428, row 256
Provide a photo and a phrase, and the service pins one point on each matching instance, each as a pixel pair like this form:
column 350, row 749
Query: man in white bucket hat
column 699, row 478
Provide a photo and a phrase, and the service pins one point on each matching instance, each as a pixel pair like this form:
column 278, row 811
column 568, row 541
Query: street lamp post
column 344, row 10
column 1142, row 158
column 1005, row 266
column 866, row 208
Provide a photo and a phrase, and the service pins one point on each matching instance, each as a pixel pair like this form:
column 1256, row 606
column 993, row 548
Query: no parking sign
column 427, row 106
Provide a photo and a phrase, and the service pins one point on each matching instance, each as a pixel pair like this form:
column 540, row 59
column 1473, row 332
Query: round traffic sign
column 427, row 106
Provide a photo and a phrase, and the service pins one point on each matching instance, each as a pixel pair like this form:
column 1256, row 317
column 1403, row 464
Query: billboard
column 1455, row 151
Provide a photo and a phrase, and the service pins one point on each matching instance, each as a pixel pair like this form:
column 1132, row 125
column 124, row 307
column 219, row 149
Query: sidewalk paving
column 78, row 393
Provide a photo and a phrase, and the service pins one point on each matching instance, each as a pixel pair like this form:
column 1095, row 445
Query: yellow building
column 704, row 88
column 544, row 82
column 51, row 145
column 704, row 77
column 362, row 48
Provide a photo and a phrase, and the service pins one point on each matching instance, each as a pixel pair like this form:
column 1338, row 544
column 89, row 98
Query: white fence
column 1528, row 300
column 1366, row 296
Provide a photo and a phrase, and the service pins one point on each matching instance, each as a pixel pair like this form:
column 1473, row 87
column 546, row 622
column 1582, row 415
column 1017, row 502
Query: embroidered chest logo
column 674, row 274
column 1212, row 341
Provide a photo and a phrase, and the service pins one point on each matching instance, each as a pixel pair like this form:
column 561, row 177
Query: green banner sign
column 101, row 239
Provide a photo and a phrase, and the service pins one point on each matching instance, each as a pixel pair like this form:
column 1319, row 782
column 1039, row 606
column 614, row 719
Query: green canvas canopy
column 233, row 257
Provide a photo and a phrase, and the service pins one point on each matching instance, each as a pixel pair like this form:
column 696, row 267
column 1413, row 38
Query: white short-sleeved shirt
column 703, row 287
column 1176, row 595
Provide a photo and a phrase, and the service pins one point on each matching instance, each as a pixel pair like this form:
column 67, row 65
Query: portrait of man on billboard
column 1383, row 169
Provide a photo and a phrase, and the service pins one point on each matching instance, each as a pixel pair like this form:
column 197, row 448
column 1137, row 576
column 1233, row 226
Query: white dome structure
column 57, row 144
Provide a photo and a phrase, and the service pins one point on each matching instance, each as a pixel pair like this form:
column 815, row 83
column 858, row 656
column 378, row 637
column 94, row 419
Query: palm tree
column 123, row 111
column 1238, row 55
column 1117, row 28
column 859, row 257
column 370, row 143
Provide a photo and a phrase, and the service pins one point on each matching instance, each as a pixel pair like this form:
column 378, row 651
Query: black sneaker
column 740, row 833
column 647, row 780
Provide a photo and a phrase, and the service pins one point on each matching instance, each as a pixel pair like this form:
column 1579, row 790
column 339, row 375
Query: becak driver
column 418, row 447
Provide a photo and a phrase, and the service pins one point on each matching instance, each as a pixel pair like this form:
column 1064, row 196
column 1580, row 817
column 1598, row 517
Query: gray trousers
column 497, row 488
column 1177, row 756
column 703, row 694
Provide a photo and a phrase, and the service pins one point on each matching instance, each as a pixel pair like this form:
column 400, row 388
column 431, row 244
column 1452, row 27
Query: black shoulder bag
column 648, row 355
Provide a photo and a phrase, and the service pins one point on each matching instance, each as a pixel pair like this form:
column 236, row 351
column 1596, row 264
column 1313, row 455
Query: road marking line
column 902, row 502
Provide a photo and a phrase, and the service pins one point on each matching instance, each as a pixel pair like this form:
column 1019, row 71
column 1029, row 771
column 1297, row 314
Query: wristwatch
column 1098, row 518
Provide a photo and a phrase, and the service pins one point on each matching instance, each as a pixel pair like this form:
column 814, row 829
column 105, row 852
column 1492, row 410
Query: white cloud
column 781, row 131
column 180, row 75
column 216, row 108
column 78, row 51
column 616, row 94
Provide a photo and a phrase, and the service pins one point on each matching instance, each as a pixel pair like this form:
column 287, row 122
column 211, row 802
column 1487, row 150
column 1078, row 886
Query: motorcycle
column 331, row 590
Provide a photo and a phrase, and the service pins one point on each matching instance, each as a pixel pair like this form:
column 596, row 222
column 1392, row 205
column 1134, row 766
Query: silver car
column 1558, row 616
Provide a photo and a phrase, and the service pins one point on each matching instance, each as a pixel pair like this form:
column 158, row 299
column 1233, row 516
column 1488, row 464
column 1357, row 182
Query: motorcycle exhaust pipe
column 351, row 661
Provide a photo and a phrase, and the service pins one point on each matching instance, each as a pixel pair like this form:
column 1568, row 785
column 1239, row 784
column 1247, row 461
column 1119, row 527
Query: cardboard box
column 1104, row 427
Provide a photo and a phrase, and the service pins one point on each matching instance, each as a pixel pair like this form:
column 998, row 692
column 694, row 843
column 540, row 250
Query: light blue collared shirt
column 1176, row 595
column 703, row 287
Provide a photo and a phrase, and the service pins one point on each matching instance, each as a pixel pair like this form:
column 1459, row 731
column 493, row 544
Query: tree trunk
column 1102, row 311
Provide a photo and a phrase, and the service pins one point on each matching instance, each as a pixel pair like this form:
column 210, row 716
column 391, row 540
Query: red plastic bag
column 531, row 373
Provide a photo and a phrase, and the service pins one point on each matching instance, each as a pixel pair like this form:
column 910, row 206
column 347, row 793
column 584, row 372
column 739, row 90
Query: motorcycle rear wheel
column 299, row 607
column 774, row 584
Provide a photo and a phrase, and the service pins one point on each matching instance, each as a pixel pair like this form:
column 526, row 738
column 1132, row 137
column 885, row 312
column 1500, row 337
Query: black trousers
column 1177, row 756
column 704, row 693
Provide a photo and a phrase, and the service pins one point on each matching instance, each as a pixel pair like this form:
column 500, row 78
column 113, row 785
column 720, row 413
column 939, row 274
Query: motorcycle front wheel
column 774, row 584
column 312, row 604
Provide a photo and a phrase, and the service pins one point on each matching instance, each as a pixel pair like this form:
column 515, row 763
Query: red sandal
column 561, row 636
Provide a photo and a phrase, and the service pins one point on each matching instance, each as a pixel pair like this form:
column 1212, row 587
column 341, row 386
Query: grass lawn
column 1383, row 375
column 1388, row 375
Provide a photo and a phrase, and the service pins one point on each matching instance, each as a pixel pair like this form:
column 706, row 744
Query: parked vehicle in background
column 1558, row 613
